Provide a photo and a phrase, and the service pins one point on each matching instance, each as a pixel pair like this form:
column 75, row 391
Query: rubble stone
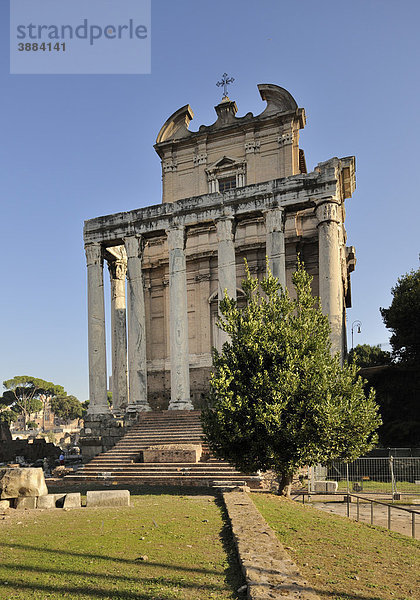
column 18, row 482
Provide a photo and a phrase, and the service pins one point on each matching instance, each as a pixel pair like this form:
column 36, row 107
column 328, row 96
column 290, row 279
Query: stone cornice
column 292, row 193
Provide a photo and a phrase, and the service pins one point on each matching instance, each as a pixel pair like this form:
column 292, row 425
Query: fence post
column 391, row 468
column 311, row 479
column 413, row 524
column 371, row 512
column 347, row 477
column 357, row 507
column 389, row 516
column 348, row 505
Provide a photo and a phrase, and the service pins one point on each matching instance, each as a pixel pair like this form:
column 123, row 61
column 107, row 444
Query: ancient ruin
column 236, row 189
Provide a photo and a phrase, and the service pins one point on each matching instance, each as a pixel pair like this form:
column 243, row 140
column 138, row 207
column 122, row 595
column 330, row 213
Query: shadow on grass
column 233, row 573
column 120, row 578
column 134, row 489
column 63, row 552
column 84, row 591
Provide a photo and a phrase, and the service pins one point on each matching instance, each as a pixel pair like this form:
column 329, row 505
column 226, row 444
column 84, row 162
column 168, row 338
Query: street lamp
column 357, row 324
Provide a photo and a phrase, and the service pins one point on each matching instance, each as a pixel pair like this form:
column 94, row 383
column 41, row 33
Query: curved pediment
column 177, row 125
column 278, row 99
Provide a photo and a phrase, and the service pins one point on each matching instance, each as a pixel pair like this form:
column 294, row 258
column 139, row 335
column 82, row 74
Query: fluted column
column 330, row 283
column 98, row 403
column 275, row 245
column 117, row 271
column 226, row 266
column 136, row 321
column 178, row 321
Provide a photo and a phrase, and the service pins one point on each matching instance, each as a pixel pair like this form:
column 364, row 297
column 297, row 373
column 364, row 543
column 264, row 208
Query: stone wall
column 39, row 448
column 100, row 433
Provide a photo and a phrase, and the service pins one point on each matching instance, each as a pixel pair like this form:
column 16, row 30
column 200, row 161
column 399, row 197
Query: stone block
column 108, row 498
column 73, row 500
column 173, row 453
column 18, row 482
column 48, row 501
column 325, row 487
column 4, row 504
column 25, row 502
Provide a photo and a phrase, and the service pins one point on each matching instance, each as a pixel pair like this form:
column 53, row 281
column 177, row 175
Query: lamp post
column 357, row 324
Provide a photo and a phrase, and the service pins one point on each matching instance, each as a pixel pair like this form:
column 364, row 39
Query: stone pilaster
column 136, row 319
column 178, row 321
column 330, row 281
column 98, row 404
column 275, row 245
column 226, row 266
column 117, row 273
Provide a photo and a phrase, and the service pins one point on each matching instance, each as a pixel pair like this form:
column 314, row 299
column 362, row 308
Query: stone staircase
column 122, row 462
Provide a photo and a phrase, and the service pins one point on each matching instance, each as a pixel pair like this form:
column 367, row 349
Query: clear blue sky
column 76, row 147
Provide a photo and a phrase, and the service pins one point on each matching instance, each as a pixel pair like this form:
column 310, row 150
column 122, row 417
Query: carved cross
column 225, row 82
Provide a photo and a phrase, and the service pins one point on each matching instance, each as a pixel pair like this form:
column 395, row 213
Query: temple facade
column 237, row 189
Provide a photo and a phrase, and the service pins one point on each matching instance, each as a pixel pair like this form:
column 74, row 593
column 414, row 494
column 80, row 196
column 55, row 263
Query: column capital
column 117, row 268
column 94, row 254
column 225, row 228
column 176, row 237
column 275, row 219
column 327, row 210
column 134, row 245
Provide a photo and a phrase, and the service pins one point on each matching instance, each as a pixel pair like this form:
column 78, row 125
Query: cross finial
column 225, row 82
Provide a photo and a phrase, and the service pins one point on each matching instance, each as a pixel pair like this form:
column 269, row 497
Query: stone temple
column 236, row 189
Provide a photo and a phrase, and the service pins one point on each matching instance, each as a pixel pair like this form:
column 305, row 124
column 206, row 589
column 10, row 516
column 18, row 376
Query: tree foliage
column 365, row 355
column 6, row 415
column 278, row 399
column 66, row 407
column 403, row 318
column 397, row 393
column 25, row 395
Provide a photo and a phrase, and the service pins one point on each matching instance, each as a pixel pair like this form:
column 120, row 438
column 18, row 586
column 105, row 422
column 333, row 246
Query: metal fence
column 388, row 475
column 371, row 510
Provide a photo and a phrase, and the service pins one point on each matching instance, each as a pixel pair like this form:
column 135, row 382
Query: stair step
column 166, row 427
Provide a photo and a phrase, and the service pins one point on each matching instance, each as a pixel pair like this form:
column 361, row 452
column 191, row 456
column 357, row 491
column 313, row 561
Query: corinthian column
column 136, row 320
column 117, row 271
column 330, row 284
column 98, row 404
column 178, row 317
column 275, row 247
column 226, row 267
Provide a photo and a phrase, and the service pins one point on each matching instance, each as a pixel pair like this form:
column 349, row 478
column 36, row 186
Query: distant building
column 47, row 421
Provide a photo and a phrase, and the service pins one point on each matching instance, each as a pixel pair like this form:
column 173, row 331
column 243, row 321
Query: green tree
column 26, row 395
column 66, row 407
column 278, row 399
column 6, row 415
column 365, row 355
column 403, row 318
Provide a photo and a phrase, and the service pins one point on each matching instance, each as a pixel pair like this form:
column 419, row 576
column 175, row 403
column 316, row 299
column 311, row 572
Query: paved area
column 400, row 520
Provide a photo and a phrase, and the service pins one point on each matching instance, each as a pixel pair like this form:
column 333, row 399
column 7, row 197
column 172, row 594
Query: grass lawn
column 341, row 559
column 163, row 547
